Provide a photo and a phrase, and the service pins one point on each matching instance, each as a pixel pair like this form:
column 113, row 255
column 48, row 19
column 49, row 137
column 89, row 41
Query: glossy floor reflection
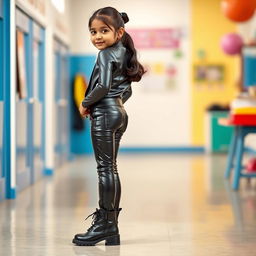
column 172, row 205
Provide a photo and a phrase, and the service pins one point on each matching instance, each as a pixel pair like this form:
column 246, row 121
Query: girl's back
column 118, row 55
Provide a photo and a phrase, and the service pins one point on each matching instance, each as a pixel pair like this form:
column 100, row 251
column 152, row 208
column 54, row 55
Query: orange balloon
column 238, row 10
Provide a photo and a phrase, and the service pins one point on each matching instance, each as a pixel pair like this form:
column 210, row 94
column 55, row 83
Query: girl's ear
column 120, row 33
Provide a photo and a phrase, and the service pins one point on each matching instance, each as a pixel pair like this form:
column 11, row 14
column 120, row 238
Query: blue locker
column 2, row 38
column 23, row 108
column 1, row 8
column 30, row 109
column 249, row 65
column 37, row 100
column 61, row 115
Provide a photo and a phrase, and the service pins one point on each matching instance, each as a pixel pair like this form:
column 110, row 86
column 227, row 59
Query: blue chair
column 235, row 154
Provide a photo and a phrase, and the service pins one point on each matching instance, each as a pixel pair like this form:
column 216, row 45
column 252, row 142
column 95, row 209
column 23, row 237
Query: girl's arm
column 105, row 62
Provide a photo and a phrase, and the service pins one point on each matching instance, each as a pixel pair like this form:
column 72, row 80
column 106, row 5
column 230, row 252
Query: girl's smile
column 102, row 36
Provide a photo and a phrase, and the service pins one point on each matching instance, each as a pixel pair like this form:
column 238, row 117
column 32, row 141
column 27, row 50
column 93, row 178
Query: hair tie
column 124, row 16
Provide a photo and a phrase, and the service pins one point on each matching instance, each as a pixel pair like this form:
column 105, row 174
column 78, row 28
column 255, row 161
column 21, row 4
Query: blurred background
column 198, row 93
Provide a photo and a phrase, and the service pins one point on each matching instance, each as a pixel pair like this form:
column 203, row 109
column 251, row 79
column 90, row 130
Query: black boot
column 104, row 227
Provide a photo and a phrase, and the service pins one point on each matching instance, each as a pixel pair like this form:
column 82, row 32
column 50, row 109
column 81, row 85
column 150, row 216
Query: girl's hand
column 84, row 112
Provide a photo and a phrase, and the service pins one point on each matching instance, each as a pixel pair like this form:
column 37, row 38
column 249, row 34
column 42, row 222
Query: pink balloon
column 231, row 43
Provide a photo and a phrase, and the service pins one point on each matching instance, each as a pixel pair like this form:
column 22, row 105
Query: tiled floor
column 172, row 205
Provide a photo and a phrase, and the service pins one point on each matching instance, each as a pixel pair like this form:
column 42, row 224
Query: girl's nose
column 98, row 35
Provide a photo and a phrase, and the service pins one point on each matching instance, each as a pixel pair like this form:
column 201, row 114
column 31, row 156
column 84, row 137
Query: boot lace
column 95, row 217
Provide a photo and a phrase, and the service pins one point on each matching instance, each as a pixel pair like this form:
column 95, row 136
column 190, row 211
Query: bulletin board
column 164, row 89
column 161, row 52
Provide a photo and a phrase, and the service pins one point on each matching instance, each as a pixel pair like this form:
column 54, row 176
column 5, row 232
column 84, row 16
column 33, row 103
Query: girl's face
column 102, row 36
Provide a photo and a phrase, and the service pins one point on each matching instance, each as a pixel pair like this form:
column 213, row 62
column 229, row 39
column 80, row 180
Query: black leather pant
column 108, row 123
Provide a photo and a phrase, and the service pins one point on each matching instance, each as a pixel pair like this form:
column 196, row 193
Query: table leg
column 238, row 162
column 231, row 153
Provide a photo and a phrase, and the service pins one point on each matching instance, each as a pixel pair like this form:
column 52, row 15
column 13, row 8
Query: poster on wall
column 161, row 52
column 149, row 38
column 21, row 66
column 209, row 75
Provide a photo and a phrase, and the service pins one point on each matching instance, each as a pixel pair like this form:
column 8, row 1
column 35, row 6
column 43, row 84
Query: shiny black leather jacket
column 108, row 78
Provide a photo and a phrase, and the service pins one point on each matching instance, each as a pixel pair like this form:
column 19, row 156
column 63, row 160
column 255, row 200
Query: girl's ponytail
column 134, row 69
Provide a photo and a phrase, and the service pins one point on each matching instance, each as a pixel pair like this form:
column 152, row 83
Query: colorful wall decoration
column 165, row 45
column 146, row 38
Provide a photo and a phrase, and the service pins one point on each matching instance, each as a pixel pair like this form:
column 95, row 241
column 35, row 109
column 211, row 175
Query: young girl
column 109, row 87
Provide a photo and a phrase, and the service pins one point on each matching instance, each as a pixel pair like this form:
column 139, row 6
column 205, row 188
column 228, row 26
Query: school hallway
column 173, row 204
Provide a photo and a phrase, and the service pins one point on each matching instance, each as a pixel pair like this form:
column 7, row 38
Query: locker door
column 37, row 101
column 56, row 117
column 64, row 108
column 61, row 115
column 2, row 174
column 24, row 133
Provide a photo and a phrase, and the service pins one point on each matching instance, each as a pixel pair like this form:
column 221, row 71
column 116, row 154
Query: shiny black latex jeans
column 108, row 123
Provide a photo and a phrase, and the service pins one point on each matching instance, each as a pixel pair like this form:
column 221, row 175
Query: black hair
column 110, row 16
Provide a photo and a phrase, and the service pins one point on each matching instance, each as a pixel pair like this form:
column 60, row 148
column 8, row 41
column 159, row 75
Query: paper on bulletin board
column 21, row 66
column 160, row 50
column 148, row 38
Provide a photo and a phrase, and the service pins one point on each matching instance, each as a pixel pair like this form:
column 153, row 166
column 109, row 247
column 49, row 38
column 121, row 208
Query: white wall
column 156, row 118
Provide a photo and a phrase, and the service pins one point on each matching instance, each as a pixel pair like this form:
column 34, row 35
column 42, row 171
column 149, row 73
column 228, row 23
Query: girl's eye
column 103, row 31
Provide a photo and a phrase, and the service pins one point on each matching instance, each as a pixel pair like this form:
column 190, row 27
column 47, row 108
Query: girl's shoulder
column 106, row 55
column 112, row 53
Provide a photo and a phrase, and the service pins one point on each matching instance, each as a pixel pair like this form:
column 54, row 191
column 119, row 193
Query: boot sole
column 110, row 240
